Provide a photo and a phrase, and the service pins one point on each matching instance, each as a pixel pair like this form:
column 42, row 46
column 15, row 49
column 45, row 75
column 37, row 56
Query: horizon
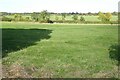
column 59, row 12
column 54, row 6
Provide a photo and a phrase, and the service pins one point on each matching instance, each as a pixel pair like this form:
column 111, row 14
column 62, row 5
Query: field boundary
column 56, row 23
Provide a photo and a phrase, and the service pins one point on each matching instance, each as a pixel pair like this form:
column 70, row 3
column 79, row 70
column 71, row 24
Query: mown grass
column 70, row 51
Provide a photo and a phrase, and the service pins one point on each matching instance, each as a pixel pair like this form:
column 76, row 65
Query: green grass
column 87, row 18
column 53, row 50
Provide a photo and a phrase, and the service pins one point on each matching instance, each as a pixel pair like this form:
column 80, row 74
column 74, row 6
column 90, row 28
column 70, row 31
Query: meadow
column 87, row 17
column 59, row 50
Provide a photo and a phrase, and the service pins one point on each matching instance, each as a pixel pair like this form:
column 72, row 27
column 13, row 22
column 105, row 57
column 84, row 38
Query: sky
column 58, row 6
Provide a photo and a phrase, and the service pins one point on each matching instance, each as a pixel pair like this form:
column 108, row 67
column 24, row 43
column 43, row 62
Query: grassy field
column 87, row 18
column 53, row 50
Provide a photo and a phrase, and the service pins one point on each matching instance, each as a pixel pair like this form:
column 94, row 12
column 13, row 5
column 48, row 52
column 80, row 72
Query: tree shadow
column 16, row 39
column 114, row 52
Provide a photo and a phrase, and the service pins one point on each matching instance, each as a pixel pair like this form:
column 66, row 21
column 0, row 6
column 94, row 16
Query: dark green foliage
column 82, row 19
column 3, row 18
column 35, row 16
column 18, row 17
column 27, row 19
column 63, row 16
column 115, row 13
column 75, row 17
column 44, row 16
column 56, row 18
column 50, row 21
column 114, row 52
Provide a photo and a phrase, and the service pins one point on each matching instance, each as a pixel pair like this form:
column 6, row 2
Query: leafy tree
column 27, row 19
column 3, row 13
column 35, row 16
column 18, row 17
column 108, row 16
column 82, row 19
column 63, row 16
column 104, row 17
column 89, row 13
column 101, row 16
column 115, row 13
column 15, row 17
column 3, row 18
column 75, row 17
column 44, row 16
column 56, row 18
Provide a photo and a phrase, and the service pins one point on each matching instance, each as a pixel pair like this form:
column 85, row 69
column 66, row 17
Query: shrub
column 46, row 21
column 82, row 19
column 75, row 17
column 6, row 19
column 114, row 52
column 50, row 21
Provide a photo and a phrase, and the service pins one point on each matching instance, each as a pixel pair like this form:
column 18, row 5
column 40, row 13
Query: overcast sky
column 59, row 5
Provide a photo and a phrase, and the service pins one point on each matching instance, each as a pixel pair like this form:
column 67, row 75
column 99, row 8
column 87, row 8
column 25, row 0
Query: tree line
column 44, row 17
column 69, row 13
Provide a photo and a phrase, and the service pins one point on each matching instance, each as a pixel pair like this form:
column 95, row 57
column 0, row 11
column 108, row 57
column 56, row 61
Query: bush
column 50, row 21
column 82, row 19
column 46, row 21
column 114, row 52
column 6, row 19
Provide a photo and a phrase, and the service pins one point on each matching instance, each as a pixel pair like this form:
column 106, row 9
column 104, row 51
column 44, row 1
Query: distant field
column 87, row 18
column 53, row 50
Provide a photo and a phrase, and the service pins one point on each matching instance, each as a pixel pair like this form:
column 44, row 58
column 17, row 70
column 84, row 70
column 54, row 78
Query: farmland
column 54, row 50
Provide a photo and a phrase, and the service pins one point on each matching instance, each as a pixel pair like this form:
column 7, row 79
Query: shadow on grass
column 114, row 52
column 16, row 39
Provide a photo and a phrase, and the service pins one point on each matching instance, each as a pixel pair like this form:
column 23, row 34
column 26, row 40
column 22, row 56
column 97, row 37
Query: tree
column 101, row 16
column 82, row 19
column 44, row 16
column 115, row 13
column 15, row 17
column 3, row 18
column 27, row 19
column 75, row 17
column 63, row 16
column 104, row 17
column 89, row 13
column 56, row 18
column 108, row 16
column 18, row 17
column 35, row 16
